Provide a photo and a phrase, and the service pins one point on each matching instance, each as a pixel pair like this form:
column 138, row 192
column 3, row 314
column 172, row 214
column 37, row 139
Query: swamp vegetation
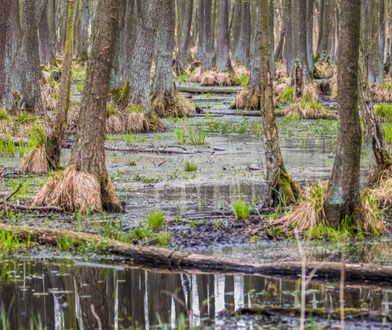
column 192, row 164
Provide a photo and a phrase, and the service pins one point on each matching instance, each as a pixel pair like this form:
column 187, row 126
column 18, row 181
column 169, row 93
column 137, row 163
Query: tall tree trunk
column 342, row 199
column 243, row 42
column 281, row 188
column 52, row 28
column 185, row 34
column 223, row 63
column 81, row 34
column 200, row 23
column 324, row 30
column 235, row 24
column 300, row 42
column 23, row 85
column 88, row 154
column 376, row 66
column 4, row 40
column 207, row 40
column 46, row 49
column 289, row 42
column 56, row 135
column 309, row 33
column 143, row 53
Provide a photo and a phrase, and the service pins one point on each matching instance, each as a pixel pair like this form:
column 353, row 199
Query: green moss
column 345, row 230
column 384, row 111
column 111, row 109
column 135, row 108
column 288, row 189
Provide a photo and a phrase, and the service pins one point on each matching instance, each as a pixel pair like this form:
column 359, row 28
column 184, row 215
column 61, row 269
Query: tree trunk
column 4, row 40
column 200, row 24
column 46, row 49
column 254, row 77
column 81, row 34
column 343, row 194
column 280, row 186
column 235, row 24
column 324, row 30
column 243, row 42
column 185, row 34
column 299, row 38
column 376, row 66
column 207, row 36
column 309, row 34
column 289, row 42
column 56, row 135
column 23, row 85
column 223, row 63
column 88, row 154
column 143, row 53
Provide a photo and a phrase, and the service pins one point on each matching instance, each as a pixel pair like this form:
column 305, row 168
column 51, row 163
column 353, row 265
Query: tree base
column 306, row 110
column 171, row 105
column 140, row 122
column 75, row 190
column 115, row 124
column 35, row 162
column 283, row 190
column 247, row 98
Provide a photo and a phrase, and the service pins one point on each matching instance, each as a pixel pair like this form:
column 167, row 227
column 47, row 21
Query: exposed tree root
column 73, row 190
column 171, row 105
column 180, row 260
column 247, row 98
column 35, row 162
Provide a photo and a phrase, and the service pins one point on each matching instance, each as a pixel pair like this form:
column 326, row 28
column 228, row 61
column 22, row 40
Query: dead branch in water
column 180, row 260
column 207, row 89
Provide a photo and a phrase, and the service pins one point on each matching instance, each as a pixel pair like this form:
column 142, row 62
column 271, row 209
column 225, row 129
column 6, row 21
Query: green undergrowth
column 241, row 80
column 384, row 111
column 287, row 95
column 191, row 136
column 190, row 167
column 127, row 138
column 10, row 243
column 388, row 132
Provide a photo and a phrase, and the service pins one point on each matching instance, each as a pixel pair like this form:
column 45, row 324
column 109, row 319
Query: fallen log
column 155, row 150
column 242, row 113
column 197, row 89
column 172, row 259
column 27, row 208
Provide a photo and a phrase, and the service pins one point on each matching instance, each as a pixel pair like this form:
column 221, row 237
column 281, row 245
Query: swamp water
column 43, row 294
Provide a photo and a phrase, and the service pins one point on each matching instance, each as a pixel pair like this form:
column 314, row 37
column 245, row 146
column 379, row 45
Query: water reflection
column 89, row 296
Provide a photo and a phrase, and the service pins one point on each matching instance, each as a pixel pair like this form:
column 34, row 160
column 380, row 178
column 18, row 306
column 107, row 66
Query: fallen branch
column 207, row 89
column 27, row 208
column 156, row 150
column 179, row 260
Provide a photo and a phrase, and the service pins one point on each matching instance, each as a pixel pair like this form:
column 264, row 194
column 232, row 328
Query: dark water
column 75, row 295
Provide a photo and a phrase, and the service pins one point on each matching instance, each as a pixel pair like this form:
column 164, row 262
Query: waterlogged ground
column 75, row 294
column 196, row 205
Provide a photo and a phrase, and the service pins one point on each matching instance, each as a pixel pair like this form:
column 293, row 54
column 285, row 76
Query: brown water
column 81, row 295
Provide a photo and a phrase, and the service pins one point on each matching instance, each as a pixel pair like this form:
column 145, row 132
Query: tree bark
column 376, row 66
column 289, row 42
column 56, row 135
column 143, row 53
column 185, row 34
column 254, row 77
column 280, row 186
column 299, row 38
column 243, row 42
column 46, row 47
column 223, row 63
column 309, row 33
column 343, row 194
column 4, row 40
column 88, row 154
column 207, row 36
column 81, row 35
column 324, row 30
column 23, row 85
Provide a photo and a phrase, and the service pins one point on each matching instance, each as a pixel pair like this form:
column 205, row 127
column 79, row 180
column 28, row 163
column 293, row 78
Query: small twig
column 14, row 193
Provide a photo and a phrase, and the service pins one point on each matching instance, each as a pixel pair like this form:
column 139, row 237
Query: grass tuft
column 384, row 111
column 190, row 167
column 241, row 209
column 155, row 220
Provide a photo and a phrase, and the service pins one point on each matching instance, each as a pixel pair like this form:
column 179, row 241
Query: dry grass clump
column 241, row 70
column 309, row 216
column 73, row 117
column 35, row 161
column 311, row 91
column 280, row 71
column 247, row 98
column 208, row 78
column 196, row 75
column 223, row 78
column 73, row 190
column 309, row 110
column 139, row 122
column 326, row 70
column 115, row 124
column 381, row 92
column 171, row 106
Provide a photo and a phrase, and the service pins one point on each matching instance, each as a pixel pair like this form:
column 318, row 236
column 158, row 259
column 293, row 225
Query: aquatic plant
column 155, row 220
column 7, row 146
column 287, row 94
column 241, row 209
column 182, row 77
column 37, row 137
column 197, row 137
column 10, row 243
column 180, row 136
column 190, row 167
column 163, row 238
